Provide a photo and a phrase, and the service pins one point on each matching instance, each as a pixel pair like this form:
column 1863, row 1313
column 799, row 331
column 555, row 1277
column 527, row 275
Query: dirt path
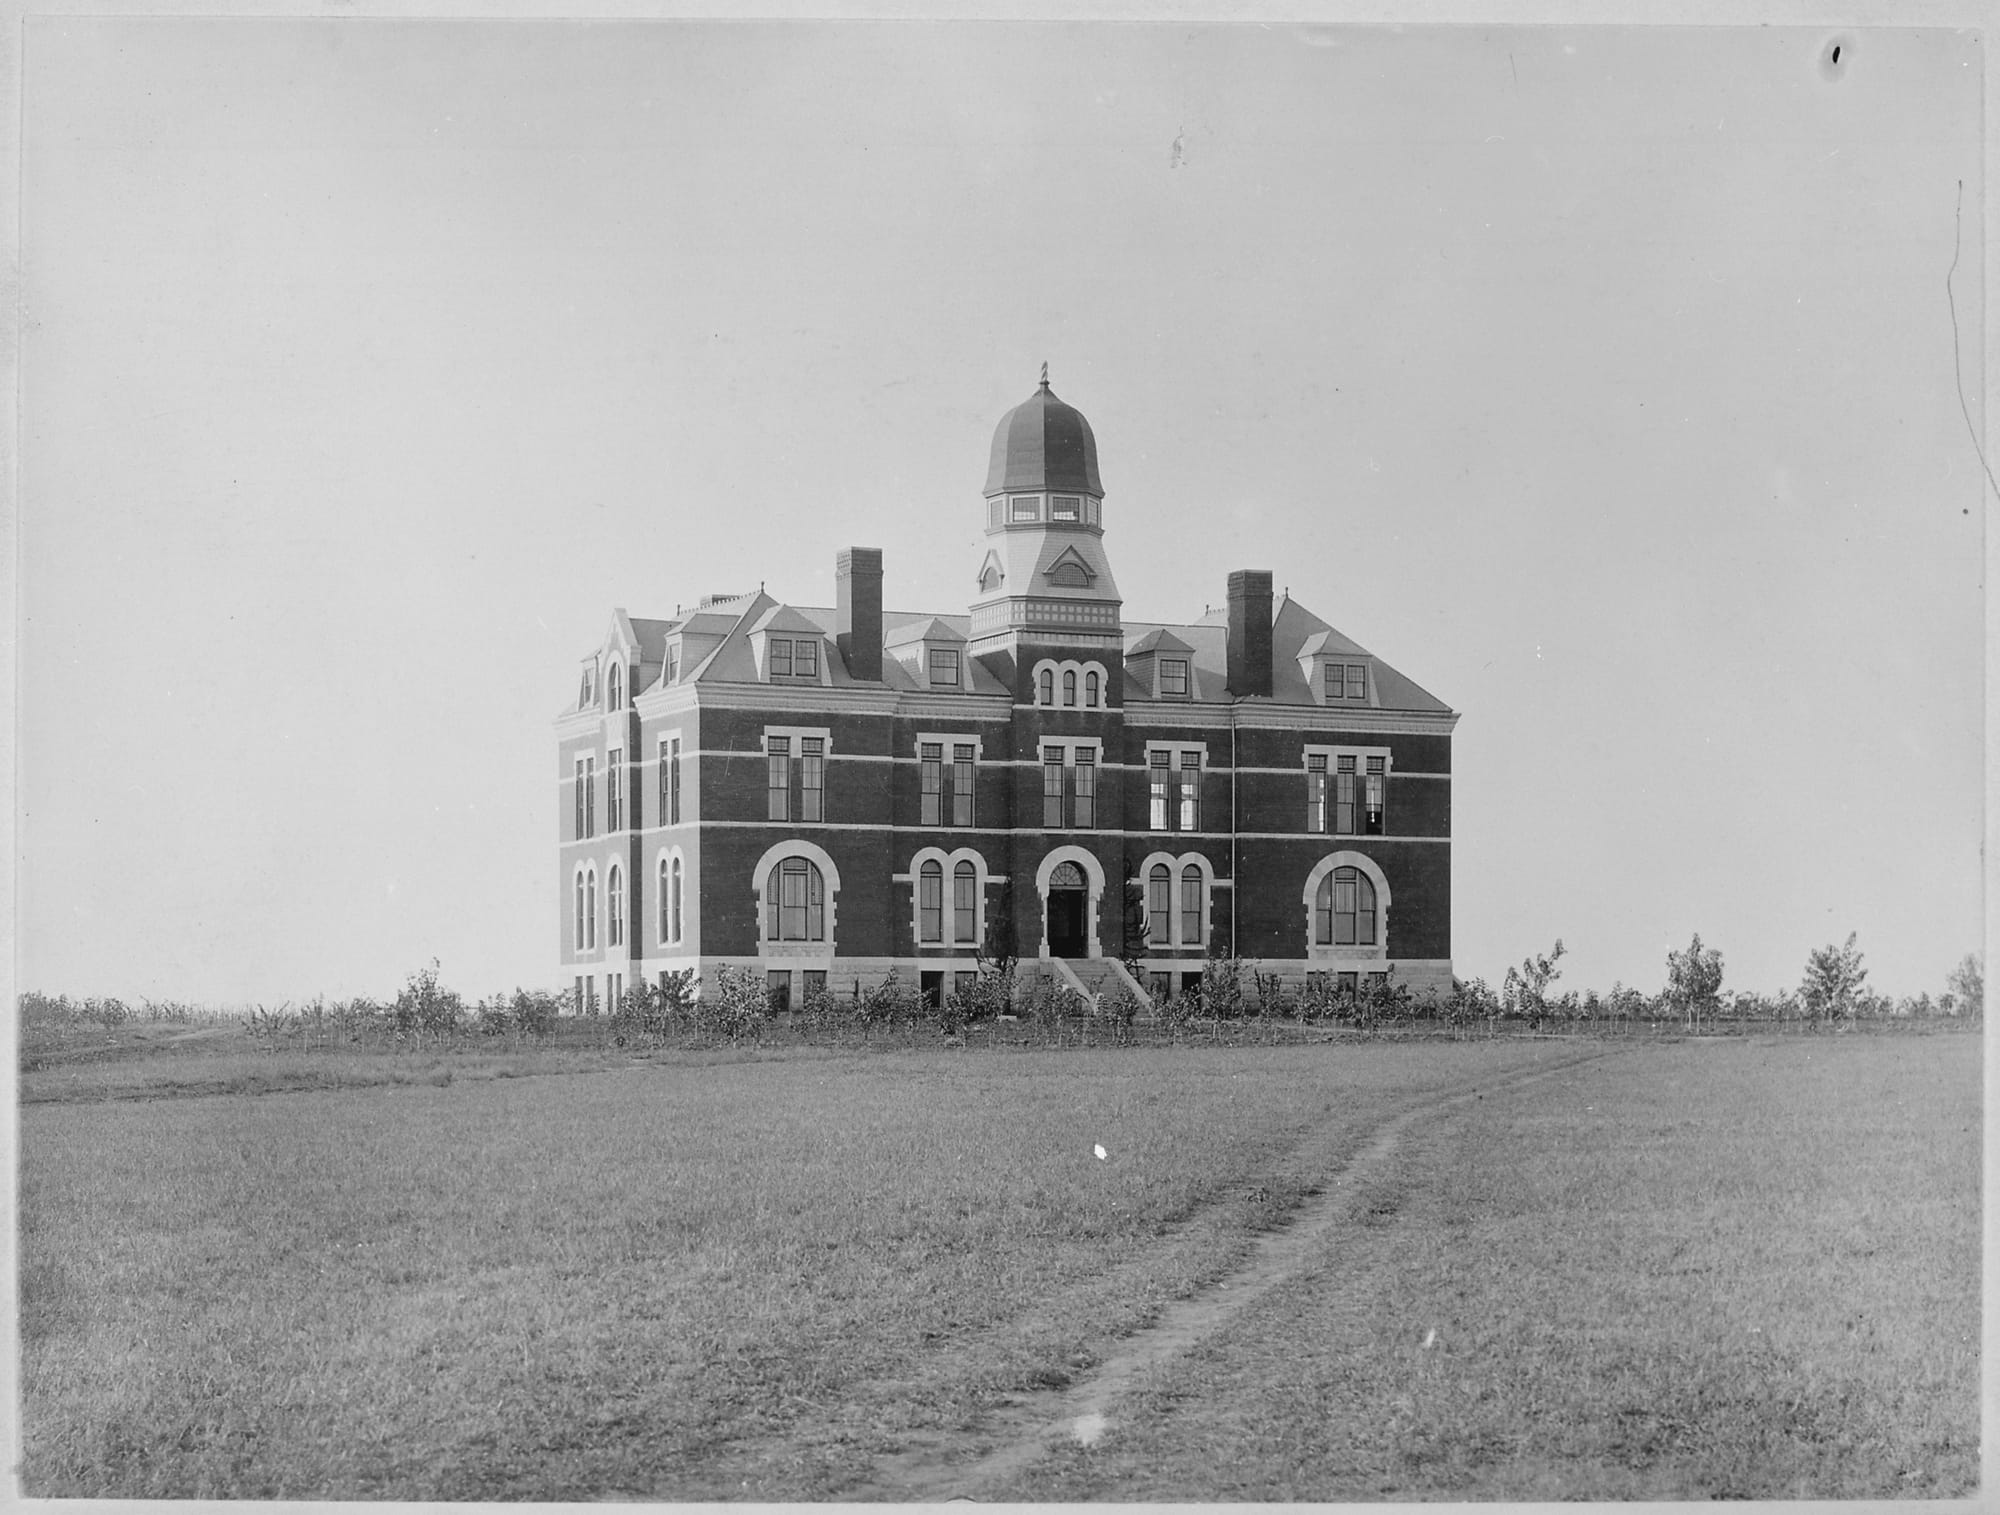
column 947, row 1467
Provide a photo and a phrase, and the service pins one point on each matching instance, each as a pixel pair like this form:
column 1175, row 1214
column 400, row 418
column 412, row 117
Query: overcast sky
column 1600, row 380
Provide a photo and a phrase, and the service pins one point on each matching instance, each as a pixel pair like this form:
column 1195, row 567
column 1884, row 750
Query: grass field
column 1668, row 1271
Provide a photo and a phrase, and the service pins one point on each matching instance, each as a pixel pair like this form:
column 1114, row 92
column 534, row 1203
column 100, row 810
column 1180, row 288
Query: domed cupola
column 1043, row 576
column 1043, row 444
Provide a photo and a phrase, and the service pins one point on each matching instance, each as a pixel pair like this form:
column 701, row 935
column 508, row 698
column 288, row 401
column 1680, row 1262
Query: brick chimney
column 857, row 576
column 1250, row 632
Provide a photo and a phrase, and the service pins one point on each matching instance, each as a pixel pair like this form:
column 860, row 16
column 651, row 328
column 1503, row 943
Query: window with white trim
column 577, row 832
column 1347, row 790
column 1069, row 786
column 965, row 903
column 945, row 788
column 614, row 779
column 614, row 906
column 1081, row 684
column 576, row 935
column 1173, row 787
column 792, row 658
column 930, row 903
column 795, row 902
column 670, row 781
column 590, row 910
column 1065, row 507
column 1344, row 909
column 590, row 796
column 944, row 668
column 614, row 688
column 1024, row 507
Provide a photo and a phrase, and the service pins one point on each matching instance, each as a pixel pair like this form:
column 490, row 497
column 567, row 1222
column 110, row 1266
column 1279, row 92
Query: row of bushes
column 735, row 1005
column 58, row 1012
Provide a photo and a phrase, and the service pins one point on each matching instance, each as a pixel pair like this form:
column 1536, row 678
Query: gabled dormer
column 789, row 648
column 933, row 652
column 1337, row 671
column 1160, row 666
column 1069, row 570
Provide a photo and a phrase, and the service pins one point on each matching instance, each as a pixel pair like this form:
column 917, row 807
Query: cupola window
column 1024, row 507
column 1065, row 507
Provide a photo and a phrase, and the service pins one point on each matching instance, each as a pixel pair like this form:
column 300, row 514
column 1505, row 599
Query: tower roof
column 1043, row 444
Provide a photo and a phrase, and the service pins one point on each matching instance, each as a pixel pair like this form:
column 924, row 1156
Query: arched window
column 795, row 902
column 614, row 688
column 614, row 906
column 674, row 919
column 1069, row 686
column 1344, row 915
column 577, row 937
column 1045, row 684
column 666, row 917
column 1159, row 906
column 1191, row 892
column 590, row 910
column 964, row 904
column 930, row 903
column 1090, row 689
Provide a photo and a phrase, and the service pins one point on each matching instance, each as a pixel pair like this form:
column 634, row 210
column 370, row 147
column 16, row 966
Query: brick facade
column 1241, row 705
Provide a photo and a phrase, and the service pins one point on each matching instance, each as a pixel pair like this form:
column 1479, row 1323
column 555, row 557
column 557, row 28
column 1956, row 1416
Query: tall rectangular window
column 1190, row 791
column 1086, row 788
column 666, row 784
column 812, row 778
column 1336, row 683
column 674, row 782
column 778, row 784
column 1159, row 780
column 673, row 665
column 1373, row 797
column 961, row 784
column 614, row 778
column 1052, row 787
column 965, row 905
column 931, row 762
column 1343, row 796
column 1316, row 793
column 1357, row 681
column 1191, row 907
column 590, row 796
column 1159, row 907
column 576, row 832
column 805, row 659
column 930, row 903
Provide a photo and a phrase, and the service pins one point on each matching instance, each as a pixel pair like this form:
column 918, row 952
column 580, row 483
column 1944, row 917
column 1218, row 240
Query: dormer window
column 944, row 667
column 615, row 688
column 1348, row 681
column 792, row 658
column 1024, row 507
column 673, row 672
column 1173, row 678
column 588, row 692
column 1065, row 507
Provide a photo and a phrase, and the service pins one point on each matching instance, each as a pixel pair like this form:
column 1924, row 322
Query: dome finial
column 1045, row 373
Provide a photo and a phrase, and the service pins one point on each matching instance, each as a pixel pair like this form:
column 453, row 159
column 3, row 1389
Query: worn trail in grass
column 1337, row 1186
column 1702, row 1271
column 743, row 1279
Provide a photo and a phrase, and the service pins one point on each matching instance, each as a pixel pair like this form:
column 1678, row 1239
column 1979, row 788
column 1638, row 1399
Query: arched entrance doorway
column 1068, row 902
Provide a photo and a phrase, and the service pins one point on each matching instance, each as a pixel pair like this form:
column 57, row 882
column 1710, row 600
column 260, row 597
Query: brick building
column 829, row 793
